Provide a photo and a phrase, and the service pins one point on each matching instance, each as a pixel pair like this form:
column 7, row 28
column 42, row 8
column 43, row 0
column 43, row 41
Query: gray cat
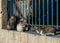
column 47, row 30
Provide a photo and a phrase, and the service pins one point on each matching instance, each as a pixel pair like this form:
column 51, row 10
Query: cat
column 20, row 26
column 11, row 22
column 50, row 30
column 46, row 30
column 40, row 30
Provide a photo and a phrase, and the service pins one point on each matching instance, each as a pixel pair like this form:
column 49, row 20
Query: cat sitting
column 20, row 25
column 11, row 23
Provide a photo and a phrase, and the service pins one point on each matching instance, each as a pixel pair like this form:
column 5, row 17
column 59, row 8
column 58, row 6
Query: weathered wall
column 0, row 14
column 3, row 13
column 21, row 37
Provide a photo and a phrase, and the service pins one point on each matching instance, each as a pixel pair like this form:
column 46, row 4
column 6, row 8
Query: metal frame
column 39, row 13
column 43, row 5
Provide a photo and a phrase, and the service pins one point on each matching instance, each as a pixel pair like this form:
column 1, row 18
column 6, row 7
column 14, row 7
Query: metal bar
column 20, row 7
column 10, row 9
column 39, row 12
column 47, row 12
column 57, row 13
column 52, row 11
column 23, row 8
column 26, row 10
column 35, row 13
column 29, row 14
column 32, row 12
column 43, row 13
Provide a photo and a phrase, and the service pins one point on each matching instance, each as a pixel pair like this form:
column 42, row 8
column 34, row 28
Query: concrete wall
column 21, row 37
column 0, row 14
column 3, row 13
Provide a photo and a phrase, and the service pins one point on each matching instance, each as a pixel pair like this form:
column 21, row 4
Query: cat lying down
column 21, row 26
column 47, row 30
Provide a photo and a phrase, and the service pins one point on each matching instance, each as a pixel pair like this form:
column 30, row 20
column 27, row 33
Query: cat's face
column 21, row 23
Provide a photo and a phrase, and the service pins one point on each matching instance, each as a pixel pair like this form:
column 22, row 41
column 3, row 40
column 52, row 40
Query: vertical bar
column 57, row 12
column 52, row 10
column 10, row 9
column 35, row 13
column 47, row 12
column 23, row 9
column 43, row 13
column 26, row 11
column 39, row 12
column 15, row 5
column 20, row 9
column 32, row 12
column 29, row 13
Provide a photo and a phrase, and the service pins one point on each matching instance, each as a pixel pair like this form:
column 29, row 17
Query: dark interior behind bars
column 44, row 12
